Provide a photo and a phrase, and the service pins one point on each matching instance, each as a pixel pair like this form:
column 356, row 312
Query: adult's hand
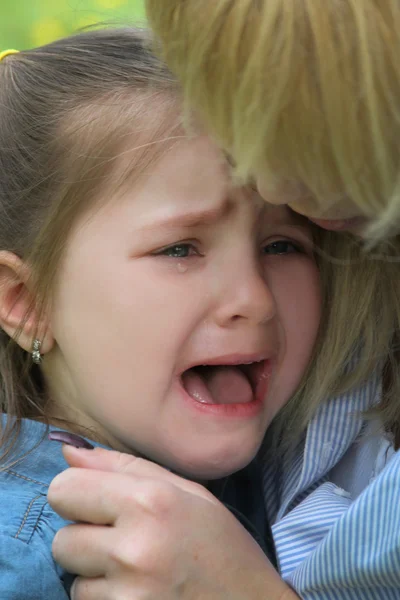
column 147, row 534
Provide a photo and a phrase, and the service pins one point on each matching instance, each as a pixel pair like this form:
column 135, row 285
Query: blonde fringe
column 297, row 89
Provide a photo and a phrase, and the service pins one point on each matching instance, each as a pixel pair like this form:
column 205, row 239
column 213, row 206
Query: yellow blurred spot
column 86, row 21
column 110, row 3
column 47, row 30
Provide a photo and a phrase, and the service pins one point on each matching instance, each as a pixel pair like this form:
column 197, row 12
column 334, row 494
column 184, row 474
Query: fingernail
column 71, row 439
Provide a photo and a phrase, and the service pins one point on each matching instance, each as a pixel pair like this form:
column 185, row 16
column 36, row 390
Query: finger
column 118, row 462
column 97, row 458
column 103, row 498
column 83, row 549
column 91, row 496
column 90, row 589
column 104, row 589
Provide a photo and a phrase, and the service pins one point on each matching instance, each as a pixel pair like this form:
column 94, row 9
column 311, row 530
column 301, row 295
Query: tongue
column 218, row 385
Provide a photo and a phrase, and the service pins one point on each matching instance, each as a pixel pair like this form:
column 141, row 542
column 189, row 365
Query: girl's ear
column 15, row 302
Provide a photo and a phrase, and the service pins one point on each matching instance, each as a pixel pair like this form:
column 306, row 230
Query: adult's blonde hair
column 297, row 89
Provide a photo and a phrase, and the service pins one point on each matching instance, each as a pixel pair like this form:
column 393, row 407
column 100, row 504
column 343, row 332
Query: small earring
column 36, row 356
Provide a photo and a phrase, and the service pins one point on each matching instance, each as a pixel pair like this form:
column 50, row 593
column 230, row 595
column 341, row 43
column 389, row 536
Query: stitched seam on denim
column 27, row 514
column 26, row 478
column 37, row 521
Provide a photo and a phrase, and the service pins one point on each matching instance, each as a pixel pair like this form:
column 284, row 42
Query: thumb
column 98, row 458
column 77, row 454
column 80, row 453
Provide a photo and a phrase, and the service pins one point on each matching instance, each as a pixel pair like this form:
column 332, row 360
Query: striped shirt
column 335, row 509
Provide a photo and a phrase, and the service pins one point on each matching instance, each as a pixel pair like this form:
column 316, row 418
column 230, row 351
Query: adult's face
column 337, row 213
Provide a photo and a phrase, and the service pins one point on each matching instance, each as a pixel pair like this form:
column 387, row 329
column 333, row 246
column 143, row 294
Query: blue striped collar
column 336, row 425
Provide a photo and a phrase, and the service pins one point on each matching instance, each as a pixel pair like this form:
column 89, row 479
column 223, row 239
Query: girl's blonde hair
column 305, row 90
column 67, row 112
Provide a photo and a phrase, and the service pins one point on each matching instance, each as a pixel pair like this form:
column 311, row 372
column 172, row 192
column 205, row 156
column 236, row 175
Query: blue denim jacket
column 28, row 524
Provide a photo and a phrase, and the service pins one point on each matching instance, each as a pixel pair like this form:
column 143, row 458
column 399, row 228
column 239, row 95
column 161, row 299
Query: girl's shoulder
column 24, row 480
column 24, row 510
column 27, row 522
column 34, row 460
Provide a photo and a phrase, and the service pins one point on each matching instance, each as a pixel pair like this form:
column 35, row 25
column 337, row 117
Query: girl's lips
column 340, row 224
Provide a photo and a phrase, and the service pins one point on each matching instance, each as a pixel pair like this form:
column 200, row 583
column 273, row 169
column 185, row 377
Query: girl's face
column 184, row 316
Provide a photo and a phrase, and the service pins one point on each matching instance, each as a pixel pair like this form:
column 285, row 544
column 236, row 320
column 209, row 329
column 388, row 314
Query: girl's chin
column 211, row 470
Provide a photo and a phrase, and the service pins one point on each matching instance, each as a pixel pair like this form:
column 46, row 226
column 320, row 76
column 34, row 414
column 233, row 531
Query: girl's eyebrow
column 192, row 219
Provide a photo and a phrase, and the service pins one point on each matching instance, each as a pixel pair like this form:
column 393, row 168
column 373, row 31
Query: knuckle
column 158, row 497
column 126, row 463
column 132, row 555
column 123, row 553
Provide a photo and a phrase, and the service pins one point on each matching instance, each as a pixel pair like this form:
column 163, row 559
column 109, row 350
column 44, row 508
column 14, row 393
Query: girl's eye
column 281, row 247
column 179, row 251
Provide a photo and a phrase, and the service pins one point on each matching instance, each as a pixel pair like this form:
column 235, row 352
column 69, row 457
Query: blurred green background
column 28, row 23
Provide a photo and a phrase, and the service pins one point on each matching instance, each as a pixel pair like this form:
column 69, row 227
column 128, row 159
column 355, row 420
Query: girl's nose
column 247, row 298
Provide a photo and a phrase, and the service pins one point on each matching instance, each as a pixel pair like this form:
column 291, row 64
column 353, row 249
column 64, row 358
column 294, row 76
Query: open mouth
column 227, row 384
